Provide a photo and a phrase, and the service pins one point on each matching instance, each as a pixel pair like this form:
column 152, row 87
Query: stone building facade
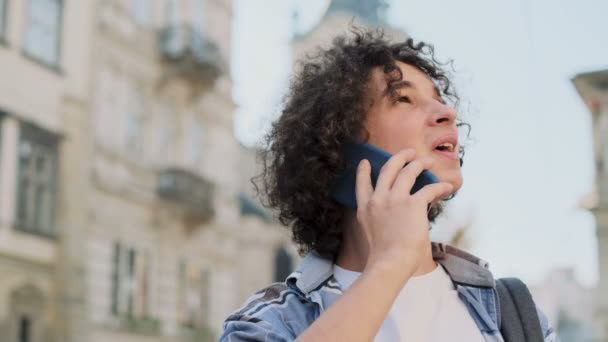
column 122, row 211
column 44, row 67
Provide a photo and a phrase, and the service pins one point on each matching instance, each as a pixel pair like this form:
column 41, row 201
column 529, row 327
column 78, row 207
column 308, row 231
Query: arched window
column 283, row 264
column 27, row 308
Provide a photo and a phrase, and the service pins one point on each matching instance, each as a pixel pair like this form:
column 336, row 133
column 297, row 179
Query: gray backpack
column 518, row 319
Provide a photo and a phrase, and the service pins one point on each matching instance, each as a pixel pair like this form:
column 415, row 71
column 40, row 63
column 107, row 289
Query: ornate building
column 336, row 18
column 44, row 62
column 593, row 88
column 122, row 210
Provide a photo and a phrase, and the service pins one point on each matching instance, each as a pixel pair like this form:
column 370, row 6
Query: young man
column 370, row 273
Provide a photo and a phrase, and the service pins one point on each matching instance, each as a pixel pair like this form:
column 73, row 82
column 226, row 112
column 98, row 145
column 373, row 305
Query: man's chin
column 453, row 177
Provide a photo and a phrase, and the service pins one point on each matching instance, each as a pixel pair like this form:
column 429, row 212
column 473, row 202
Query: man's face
column 415, row 118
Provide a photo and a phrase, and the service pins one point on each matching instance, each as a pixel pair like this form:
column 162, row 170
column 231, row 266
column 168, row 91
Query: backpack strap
column 519, row 318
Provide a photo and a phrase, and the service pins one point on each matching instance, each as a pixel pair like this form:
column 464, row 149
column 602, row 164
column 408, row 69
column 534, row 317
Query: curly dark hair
column 324, row 109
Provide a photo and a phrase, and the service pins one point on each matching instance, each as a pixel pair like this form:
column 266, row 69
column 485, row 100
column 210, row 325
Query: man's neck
column 354, row 250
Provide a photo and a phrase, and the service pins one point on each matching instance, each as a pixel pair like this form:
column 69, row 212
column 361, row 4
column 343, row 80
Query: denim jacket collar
column 462, row 267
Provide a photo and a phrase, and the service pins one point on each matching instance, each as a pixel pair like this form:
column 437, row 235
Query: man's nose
column 442, row 114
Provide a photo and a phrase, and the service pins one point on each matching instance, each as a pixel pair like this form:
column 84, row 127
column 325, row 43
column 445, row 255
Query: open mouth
column 447, row 147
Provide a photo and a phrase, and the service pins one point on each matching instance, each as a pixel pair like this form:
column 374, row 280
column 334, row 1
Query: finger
column 363, row 186
column 434, row 192
column 408, row 175
column 391, row 169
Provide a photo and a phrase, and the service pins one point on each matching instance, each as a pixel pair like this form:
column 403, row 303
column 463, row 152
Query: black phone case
column 344, row 189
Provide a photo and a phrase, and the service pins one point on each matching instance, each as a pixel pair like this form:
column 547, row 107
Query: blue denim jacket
column 283, row 311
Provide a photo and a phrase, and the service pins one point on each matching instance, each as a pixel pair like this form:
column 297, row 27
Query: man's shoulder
column 270, row 302
column 278, row 312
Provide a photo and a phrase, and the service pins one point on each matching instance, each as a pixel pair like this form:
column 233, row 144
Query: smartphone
column 344, row 189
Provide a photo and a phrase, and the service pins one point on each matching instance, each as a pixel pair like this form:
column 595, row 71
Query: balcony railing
column 190, row 54
column 189, row 191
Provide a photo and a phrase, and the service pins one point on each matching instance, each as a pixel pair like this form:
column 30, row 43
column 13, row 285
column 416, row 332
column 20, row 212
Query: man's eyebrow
column 407, row 84
column 392, row 86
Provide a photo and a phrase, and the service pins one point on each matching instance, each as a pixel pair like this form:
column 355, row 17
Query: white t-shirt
column 426, row 309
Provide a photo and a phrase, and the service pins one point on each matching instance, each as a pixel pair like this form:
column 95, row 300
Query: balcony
column 189, row 55
column 190, row 193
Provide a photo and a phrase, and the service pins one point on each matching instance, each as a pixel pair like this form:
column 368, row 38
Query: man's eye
column 404, row 99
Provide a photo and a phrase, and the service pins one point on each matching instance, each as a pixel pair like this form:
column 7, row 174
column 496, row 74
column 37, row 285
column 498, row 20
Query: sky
column 529, row 159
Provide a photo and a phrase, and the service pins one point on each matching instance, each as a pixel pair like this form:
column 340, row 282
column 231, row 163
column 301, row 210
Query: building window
column 194, row 296
column 196, row 141
column 43, row 30
column 107, row 110
column 141, row 10
column 182, row 289
column 115, row 278
column 3, row 11
column 36, row 180
column 135, row 122
column 27, row 307
column 25, row 325
column 130, row 282
column 282, row 265
column 205, row 293
column 168, row 133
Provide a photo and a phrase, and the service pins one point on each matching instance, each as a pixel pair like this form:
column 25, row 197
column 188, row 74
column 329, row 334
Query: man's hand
column 395, row 222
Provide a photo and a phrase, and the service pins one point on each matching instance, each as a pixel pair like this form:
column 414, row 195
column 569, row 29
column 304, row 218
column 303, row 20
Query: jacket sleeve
column 267, row 316
column 549, row 333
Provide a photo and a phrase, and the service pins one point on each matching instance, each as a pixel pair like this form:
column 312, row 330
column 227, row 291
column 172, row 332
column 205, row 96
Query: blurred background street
column 129, row 129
